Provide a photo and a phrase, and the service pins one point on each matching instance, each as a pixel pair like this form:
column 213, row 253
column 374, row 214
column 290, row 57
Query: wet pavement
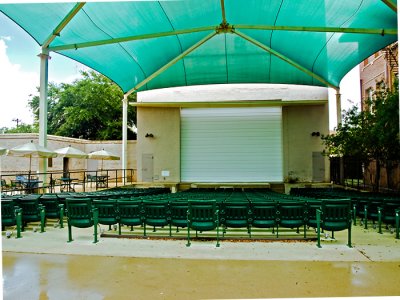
column 45, row 266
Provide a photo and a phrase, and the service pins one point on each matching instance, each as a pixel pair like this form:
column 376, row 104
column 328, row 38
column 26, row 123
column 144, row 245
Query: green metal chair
column 335, row 215
column 311, row 212
column 32, row 211
column 236, row 214
column 108, row 212
column 11, row 216
column 264, row 214
column 388, row 213
column 156, row 214
column 53, row 208
column 202, row 216
column 178, row 214
column 130, row 213
column 291, row 215
column 81, row 214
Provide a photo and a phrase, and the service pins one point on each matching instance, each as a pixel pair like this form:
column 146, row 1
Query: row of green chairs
column 181, row 214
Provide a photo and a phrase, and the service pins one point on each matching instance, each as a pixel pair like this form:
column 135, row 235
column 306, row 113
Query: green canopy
column 144, row 45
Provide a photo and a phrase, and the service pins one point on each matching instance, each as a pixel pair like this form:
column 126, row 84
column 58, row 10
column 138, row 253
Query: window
column 50, row 162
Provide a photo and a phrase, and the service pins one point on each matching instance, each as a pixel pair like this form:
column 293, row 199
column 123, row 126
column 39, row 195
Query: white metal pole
column 44, row 71
column 338, row 107
column 124, row 135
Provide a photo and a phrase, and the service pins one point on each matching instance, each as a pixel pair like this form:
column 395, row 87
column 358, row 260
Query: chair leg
column 95, row 221
column 188, row 237
column 19, row 223
column 69, row 233
column 42, row 220
column 380, row 220
column 349, row 236
column 217, row 245
column 397, row 224
column 354, row 214
column 61, row 206
column 318, row 228
column 365, row 217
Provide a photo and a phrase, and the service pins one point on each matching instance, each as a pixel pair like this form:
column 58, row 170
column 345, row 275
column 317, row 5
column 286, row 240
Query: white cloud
column 16, row 86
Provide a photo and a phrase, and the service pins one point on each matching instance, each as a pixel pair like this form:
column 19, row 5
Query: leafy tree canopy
column 371, row 134
column 89, row 108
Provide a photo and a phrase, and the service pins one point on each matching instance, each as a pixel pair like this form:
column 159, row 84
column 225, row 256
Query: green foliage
column 89, row 108
column 371, row 134
column 21, row 128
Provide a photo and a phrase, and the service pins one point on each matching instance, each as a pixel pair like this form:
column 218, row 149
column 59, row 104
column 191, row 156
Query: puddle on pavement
column 49, row 276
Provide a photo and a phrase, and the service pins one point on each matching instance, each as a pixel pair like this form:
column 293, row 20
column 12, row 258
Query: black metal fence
column 59, row 181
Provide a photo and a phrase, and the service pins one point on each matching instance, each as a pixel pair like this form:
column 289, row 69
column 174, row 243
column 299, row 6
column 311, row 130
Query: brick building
column 380, row 70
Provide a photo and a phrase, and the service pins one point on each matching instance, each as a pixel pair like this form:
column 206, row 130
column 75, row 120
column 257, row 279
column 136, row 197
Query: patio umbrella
column 103, row 155
column 31, row 150
column 71, row 152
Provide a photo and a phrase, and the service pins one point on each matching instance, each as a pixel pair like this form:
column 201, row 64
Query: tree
column 89, row 108
column 370, row 135
column 21, row 128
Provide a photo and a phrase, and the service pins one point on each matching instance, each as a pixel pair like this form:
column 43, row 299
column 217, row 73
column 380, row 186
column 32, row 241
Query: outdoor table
column 31, row 186
column 101, row 181
column 66, row 184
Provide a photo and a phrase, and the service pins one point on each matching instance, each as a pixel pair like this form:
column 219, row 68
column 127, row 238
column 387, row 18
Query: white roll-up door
column 231, row 144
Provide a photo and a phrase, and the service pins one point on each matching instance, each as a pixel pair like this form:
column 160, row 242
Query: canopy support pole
column 44, row 74
column 172, row 62
column 318, row 29
column 338, row 107
column 339, row 121
column 391, row 4
column 56, row 32
column 223, row 11
column 284, row 58
column 124, row 136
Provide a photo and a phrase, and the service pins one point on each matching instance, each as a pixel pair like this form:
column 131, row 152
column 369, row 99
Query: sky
column 20, row 70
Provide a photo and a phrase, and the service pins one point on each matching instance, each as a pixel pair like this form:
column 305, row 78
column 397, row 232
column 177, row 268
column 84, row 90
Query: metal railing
column 62, row 181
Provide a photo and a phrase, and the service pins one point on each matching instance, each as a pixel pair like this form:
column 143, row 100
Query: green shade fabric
column 313, row 42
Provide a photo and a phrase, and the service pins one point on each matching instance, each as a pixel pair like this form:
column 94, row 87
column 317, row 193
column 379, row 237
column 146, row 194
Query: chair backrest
column 30, row 209
column 291, row 214
column 389, row 208
column 156, row 213
column 336, row 214
column 311, row 212
column 264, row 213
column 202, row 214
column 108, row 211
column 130, row 212
column 79, row 212
column 8, row 213
column 178, row 212
column 235, row 213
column 51, row 205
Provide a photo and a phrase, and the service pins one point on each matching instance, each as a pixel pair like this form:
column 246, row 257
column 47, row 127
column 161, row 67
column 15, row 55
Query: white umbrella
column 31, row 150
column 103, row 155
column 71, row 152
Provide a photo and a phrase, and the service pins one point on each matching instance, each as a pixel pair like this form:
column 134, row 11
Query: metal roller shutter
column 231, row 144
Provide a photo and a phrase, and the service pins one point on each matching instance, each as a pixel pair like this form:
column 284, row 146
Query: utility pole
column 17, row 121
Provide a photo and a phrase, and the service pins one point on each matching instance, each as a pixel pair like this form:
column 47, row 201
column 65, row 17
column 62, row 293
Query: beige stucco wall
column 299, row 121
column 164, row 124
column 298, row 144
column 19, row 164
